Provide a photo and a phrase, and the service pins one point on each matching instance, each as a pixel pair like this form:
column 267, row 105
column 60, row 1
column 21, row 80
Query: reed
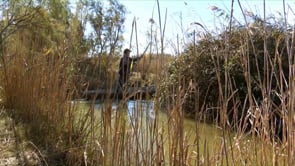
column 130, row 142
column 40, row 87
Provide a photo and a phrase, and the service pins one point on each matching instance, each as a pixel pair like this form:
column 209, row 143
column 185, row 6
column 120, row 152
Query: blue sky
column 181, row 13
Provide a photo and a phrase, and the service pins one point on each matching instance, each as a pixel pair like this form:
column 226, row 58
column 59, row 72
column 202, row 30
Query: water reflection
column 143, row 123
column 143, row 110
column 100, row 104
column 133, row 106
column 137, row 110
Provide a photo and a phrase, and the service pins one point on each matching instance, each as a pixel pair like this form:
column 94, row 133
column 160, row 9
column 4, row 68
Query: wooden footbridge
column 146, row 92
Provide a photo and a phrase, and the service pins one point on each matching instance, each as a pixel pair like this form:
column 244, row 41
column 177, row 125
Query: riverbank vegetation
column 240, row 81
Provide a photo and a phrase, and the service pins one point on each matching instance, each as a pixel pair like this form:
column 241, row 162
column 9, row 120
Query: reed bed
column 38, row 91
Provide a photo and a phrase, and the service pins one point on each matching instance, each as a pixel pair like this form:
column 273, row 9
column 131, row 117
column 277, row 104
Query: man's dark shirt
column 124, row 69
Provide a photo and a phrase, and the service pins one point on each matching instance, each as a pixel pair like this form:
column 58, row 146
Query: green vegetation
column 238, row 59
column 240, row 80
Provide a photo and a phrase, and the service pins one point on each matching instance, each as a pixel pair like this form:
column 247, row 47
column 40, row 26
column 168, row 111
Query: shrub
column 226, row 69
column 96, row 72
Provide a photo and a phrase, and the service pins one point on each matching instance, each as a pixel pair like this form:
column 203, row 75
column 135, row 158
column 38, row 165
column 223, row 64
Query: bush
column 96, row 72
column 223, row 71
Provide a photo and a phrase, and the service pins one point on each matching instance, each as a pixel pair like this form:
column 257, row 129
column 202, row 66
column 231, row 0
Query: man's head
column 127, row 52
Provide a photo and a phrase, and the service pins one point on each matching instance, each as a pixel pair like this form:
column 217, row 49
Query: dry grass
column 9, row 154
column 39, row 90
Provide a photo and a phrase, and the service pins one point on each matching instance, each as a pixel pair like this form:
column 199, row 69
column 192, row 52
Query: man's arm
column 136, row 58
column 121, row 66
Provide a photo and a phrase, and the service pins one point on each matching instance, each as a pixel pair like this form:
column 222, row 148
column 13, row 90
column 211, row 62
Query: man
column 126, row 63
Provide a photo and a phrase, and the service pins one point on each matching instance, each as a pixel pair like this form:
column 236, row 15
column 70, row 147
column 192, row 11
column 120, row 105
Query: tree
column 104, row 39
column 107, row 24
column 14, row 16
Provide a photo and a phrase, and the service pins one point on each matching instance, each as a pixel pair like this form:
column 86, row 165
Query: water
column 145, row 109
column 146, row 106
column 144, row 129
column 141, row 114
column 137, row 129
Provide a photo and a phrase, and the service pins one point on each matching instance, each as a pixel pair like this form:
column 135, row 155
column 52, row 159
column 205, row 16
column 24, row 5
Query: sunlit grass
column 38, row 86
